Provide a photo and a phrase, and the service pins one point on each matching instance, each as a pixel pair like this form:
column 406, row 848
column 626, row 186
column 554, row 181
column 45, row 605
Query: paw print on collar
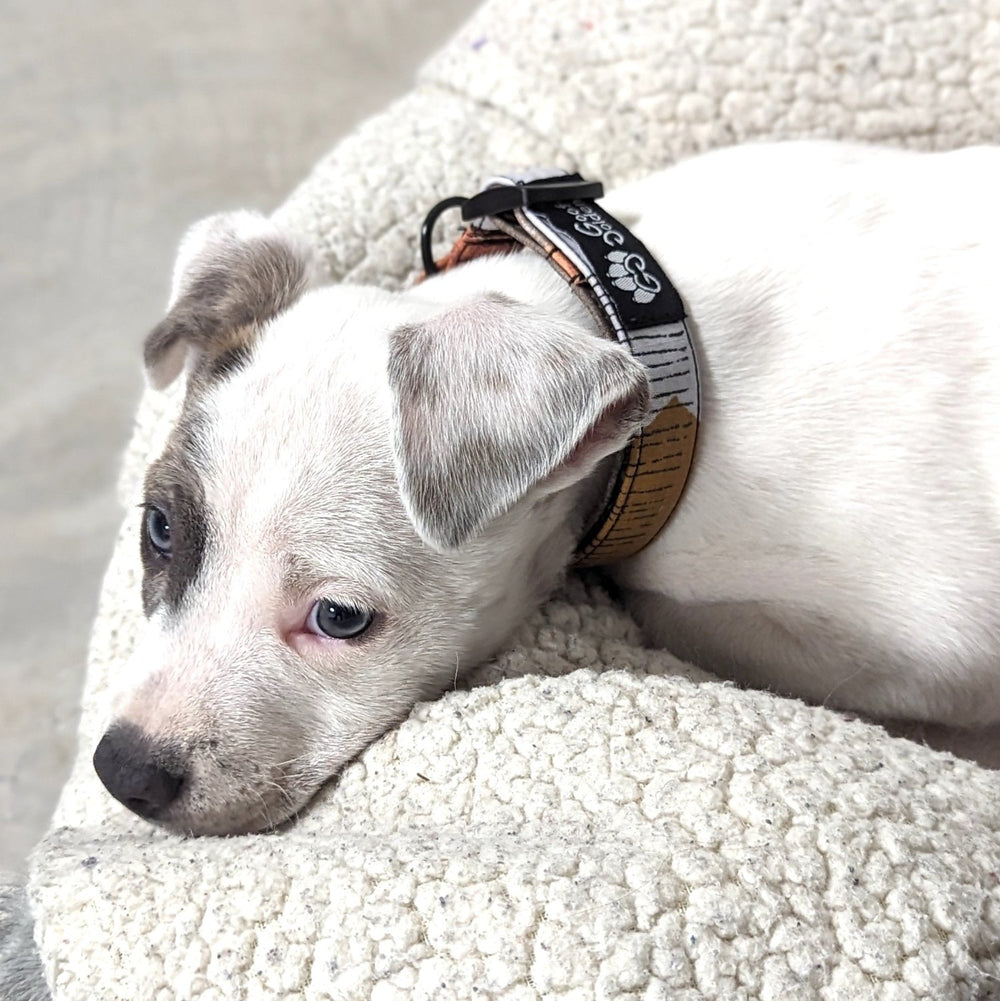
column 628, row 272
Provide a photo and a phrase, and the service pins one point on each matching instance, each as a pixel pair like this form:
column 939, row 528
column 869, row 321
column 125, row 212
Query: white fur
column 839, row 538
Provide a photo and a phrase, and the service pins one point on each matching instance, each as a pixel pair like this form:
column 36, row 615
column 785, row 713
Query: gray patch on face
column 173, row 485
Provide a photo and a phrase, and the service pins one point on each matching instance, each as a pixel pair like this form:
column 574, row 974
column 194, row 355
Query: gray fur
column 173, row 484
column 21, row 977
column 490, row 399
column 231, row 284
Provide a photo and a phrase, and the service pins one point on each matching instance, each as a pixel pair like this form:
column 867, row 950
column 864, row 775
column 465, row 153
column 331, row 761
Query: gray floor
column 120, row 124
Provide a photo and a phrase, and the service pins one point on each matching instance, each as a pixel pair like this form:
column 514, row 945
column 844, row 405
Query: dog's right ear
column 234, row 271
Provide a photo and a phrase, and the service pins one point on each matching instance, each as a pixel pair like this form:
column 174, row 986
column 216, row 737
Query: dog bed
column 586, row 818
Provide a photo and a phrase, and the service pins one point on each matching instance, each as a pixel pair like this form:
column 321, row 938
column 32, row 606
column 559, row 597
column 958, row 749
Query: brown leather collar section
column 475, row 242
column 656, row 462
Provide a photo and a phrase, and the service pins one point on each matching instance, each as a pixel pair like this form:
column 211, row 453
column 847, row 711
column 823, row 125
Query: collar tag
column 555, row 214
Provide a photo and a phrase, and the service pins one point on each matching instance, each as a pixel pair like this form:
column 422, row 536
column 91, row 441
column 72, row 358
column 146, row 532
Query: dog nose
column 126, row 762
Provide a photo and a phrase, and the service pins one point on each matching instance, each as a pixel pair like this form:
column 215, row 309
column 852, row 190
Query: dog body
column 412, row 471
column 838, row 538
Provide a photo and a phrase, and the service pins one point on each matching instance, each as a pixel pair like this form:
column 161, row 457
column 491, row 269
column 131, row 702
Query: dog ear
column 490, row 400
column 234, row 271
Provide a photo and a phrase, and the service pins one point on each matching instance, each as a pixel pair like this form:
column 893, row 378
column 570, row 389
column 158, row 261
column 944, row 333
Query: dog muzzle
column 633, row 302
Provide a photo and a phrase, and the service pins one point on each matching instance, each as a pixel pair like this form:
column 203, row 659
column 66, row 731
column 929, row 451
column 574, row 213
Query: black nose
column 132, row 768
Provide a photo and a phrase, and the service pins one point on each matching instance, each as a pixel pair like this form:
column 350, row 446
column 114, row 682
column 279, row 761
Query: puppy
column 368, row 491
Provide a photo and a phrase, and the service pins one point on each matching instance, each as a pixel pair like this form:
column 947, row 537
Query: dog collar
column 634, row 303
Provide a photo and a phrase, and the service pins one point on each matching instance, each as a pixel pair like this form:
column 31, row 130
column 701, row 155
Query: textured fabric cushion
column 591, row 818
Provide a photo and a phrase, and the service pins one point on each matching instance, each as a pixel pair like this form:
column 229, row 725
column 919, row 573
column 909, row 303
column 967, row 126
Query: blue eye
column 158, row 531
column 337, row 620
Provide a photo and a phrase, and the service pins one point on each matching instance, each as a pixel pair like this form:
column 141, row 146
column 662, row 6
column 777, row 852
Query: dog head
column 365, row 493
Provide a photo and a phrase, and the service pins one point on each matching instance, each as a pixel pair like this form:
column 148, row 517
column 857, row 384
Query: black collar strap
column 634, row 303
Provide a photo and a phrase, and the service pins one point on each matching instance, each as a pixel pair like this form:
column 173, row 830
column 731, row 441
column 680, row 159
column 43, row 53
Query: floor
column 119, row 125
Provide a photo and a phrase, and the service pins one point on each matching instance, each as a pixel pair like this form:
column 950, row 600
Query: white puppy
column 368, row 491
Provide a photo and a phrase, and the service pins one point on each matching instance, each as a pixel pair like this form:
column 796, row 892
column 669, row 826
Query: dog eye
column 337, row 620
column 158, row 531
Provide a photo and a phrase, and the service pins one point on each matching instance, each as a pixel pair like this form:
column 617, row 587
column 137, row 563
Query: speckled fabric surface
column 590, row 819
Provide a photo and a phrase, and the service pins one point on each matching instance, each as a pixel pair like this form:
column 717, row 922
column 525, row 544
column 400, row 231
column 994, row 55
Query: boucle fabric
column 589, row 818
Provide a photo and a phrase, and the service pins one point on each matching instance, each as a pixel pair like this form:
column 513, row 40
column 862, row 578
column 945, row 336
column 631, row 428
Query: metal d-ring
column 427, row 230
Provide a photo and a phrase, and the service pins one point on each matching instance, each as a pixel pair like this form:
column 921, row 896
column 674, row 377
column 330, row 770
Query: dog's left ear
column 491, row 400
column 234, row 271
